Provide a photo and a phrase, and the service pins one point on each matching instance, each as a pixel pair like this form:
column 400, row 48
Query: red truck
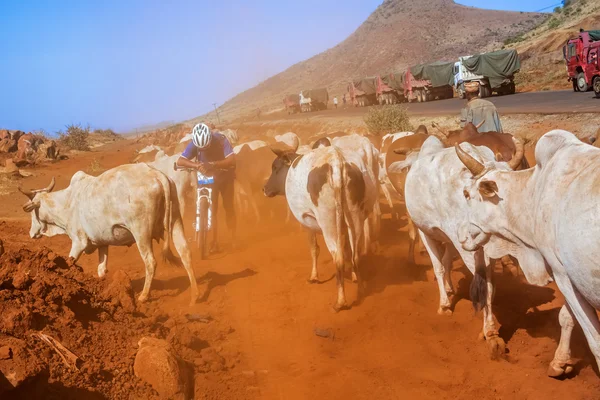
column 582, row 57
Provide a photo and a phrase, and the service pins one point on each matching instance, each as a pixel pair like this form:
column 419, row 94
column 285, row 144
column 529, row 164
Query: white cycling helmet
column 201, row 136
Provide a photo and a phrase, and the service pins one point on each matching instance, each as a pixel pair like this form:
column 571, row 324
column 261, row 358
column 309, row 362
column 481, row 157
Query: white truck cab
column 461, row 75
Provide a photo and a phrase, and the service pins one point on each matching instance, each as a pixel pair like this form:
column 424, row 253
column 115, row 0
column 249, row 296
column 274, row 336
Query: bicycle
column 203, row 221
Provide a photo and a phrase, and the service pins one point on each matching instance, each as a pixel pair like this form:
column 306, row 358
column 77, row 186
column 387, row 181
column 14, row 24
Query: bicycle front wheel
column 202, row 232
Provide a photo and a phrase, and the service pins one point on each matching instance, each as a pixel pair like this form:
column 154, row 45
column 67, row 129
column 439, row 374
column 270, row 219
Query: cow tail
column 337, row 182
column 167, row 254
column 478, row 289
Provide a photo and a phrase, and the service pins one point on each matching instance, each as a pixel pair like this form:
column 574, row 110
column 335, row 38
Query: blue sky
column 121, row 64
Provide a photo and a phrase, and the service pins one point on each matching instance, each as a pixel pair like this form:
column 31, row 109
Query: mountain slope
column 397, row 34
column 542, row 62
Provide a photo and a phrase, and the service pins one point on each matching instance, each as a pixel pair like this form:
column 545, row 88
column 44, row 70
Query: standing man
column 335, row 102
column 344, row 100
column 479, row 110
column 211, row 153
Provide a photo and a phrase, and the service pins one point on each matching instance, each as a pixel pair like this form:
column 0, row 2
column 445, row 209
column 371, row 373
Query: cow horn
column 479, row 125
column 443, row 138
column 472, row 164
column 515, row 161
column 49, row 188
column 27, row 193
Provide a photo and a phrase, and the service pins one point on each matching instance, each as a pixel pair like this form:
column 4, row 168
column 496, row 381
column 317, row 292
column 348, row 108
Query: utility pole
column 217, row 111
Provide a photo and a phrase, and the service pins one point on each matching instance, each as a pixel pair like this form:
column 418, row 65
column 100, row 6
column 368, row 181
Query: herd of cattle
column 466, row 194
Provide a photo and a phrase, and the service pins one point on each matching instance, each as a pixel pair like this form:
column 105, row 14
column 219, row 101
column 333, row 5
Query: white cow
column 253, row 145
column 435, row 203
column 303, row 149
column 129, row 204
column 359, row 151
column 326, row 194
column 185, row 182
column 547, row 217
column 289, row 139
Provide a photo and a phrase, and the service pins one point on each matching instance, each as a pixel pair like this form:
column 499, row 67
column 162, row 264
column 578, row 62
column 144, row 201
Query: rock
column 120, row 291
column 5, row 353
column 1, row 247
column 8, row 145
column 10, row 167
column 156, row 364
column 22, row 366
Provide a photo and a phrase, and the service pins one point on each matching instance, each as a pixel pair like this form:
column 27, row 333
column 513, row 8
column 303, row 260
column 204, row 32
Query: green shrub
column 514, row 39
column 387, row 119
column 75, row 137
column 557, row 10
column 553, row 23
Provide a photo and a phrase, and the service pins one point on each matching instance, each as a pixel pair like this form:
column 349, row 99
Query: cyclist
column 211, row 153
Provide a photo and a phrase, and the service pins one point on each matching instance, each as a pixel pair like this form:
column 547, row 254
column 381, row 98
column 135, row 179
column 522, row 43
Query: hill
column 397, row 34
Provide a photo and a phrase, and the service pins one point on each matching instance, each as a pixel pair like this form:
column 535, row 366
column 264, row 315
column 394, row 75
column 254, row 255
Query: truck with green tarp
column 426, row 82
column 369, row 91
column 494, row 71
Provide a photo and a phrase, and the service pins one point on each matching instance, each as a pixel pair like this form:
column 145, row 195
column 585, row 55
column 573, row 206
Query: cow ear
column 278, row 152
column 488, row 188
column 30, row 206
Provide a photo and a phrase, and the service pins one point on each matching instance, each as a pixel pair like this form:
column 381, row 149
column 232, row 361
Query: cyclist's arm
column 185, row 163
column 227, row 163
column 190, row 153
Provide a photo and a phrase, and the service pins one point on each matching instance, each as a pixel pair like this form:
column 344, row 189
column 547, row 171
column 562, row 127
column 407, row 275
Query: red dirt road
column 390, row 345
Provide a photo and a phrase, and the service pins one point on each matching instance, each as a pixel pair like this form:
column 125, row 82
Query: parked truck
column 582, row 57
column 369, row 91
column 426, row 82
column 494, row 71
column 314, row 99
column 292, row 103
column 399, row 87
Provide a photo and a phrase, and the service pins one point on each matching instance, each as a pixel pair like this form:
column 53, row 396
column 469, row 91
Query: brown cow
column 500, row 143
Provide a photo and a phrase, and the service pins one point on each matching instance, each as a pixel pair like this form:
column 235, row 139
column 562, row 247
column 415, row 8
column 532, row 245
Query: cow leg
column 335, row 242
column 412, row 236
column 582, row 310
column 473, row 260
column 314, row 252
column 447, row 262
column 77, row 249
column 562, row 364
column 435, row 250
column 184, row 252
column 375, row 227
column 103, row 257
column 145, row 248
column 496, row 344
column 387, row 195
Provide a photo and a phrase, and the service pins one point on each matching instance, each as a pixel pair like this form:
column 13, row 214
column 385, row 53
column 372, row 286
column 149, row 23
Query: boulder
column 17, row 365
column 156, row 364
column 8, row 145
